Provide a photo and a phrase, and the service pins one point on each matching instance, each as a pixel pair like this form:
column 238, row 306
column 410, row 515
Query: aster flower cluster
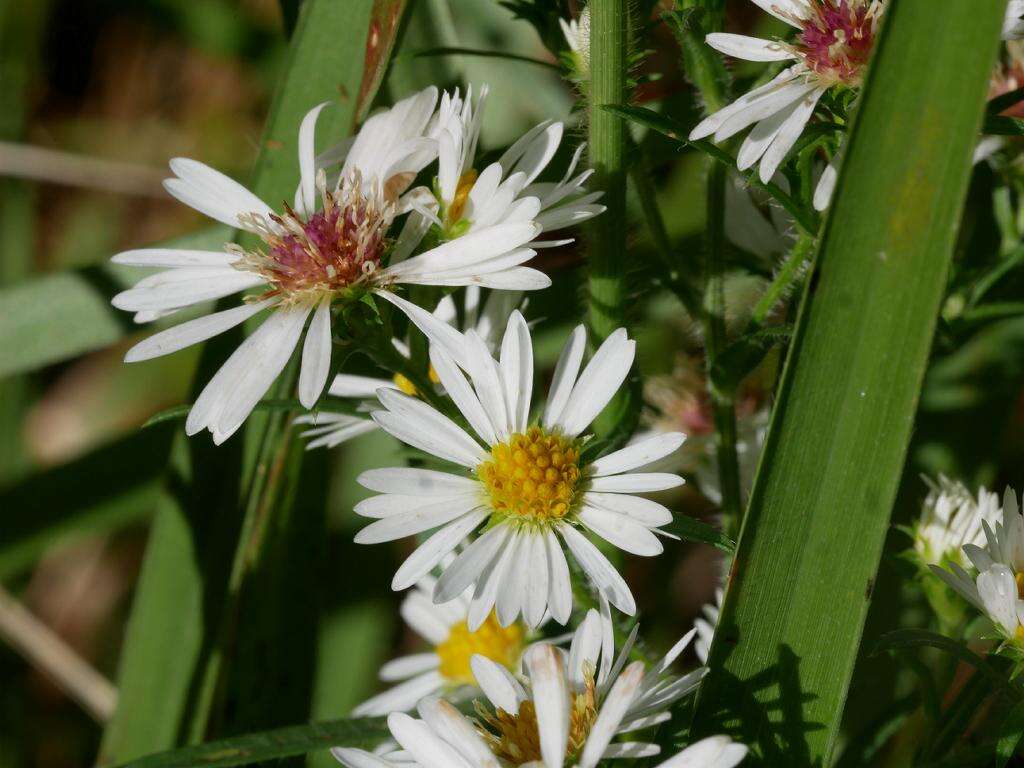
column 515, row 508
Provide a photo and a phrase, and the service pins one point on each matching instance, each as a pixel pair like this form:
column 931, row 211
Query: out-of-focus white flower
column 1013, row 24
column 995, row 586
column 464, row 200
column 330, row 427
column 566, row 710
column 952, row 518
column 528, row 484
column 577, row 37
column 446, row 669
column 331, row 246
column 831, row 50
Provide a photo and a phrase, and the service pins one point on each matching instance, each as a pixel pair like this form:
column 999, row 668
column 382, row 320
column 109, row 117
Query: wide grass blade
column 228, row 524
column 804, row 568
column 108, row 488
column 52, row 318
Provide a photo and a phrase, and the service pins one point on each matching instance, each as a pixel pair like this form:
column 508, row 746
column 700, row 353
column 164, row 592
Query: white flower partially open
column 331, row 246
column 831, row 49
column 566, row 709
column 447, row 668
column 528, row 482
column 464, row 200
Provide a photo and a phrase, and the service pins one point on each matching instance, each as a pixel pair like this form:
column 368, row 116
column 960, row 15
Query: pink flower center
column 328, row 252
column 836, row 40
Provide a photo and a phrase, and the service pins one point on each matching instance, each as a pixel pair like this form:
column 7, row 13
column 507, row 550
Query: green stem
column 715, row 340
column 783, row 282
column 609, row 40
column 677, row 266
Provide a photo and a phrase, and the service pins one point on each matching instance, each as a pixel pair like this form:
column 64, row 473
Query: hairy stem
column 607, row 290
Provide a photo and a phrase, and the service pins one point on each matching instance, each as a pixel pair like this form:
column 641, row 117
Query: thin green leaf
column 820, row 507
column 1011, row 735
column 1005, row 101
column 1002, row 125
column 270, row 745
column 108, row 488
column 650, row 119
column 901, row 639
column 689, row 529
column 286, row 405
column 479, row 53
column 55, row 317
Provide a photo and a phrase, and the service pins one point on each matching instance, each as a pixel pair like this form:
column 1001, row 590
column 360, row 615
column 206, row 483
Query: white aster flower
column 463, row 201
column 952, row 518
column 446, row 670
column 330, row 428
column 566, row 710
column 577, row 37
column 831, row 50
column 529, row 484
column 995, row 589
column 1013, row 24
column 331, row 246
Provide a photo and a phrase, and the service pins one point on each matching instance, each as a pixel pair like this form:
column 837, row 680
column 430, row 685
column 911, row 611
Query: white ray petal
column 192, row 332
column 621, row 531
column 638, row 454
column 566, row 370
column 316, row 355
column 599, row 570
column 424, row 518
column 550, row 701
column 401, row 697
column 422, row 482
column 244, row 378
column 749, row 48
column 174, row 257
column 430, row 552
column 307, row 159
column 598, row 383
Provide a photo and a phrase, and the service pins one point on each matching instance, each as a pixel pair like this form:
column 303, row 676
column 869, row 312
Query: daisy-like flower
column 995, row 587
column 527, row 483
column 464, row 200
column 566, row 710
column 1013, row 23
column 446, row 670
column 332, row 246
column 831, row 50
column 330, row 428
column 952, row 518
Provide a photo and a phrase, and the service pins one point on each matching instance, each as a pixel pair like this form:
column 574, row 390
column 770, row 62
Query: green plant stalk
column 723, row 406
column 606, row 242
column 811, row 540
column 677, row 267
column 782, row 283
column 705, row 69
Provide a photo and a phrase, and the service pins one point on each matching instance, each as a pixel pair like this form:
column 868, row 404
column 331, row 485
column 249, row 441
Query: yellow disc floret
column 502, row 645
column 532, row 477
column 516, row 738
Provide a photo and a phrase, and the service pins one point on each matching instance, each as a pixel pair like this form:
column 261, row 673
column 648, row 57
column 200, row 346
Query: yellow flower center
column 502, row 645
column 403, row 383
column 533, row 477
column 458, row 206
column 516, row 738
